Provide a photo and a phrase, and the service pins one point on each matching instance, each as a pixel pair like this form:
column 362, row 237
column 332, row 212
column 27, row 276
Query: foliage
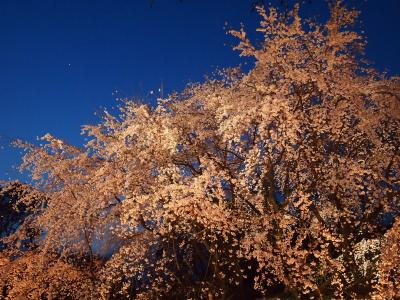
column 279, row 182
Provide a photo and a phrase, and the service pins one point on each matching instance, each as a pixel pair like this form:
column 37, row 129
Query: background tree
column 17, row 215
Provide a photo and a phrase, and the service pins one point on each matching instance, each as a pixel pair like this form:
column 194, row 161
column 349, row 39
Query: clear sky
column 61, row 61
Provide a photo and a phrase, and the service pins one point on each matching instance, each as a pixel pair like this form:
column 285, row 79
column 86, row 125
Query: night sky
column 61, row 61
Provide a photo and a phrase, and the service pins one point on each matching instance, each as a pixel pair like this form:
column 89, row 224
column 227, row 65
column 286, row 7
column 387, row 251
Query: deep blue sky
column 60, row 61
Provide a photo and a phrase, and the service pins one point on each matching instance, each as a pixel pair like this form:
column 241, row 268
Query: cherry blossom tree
column 279, row 182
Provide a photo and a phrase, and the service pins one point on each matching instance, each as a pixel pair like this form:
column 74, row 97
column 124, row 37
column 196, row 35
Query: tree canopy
column 278, row 182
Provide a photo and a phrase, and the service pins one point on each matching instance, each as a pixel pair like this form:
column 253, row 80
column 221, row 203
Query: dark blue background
column 60, row 61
